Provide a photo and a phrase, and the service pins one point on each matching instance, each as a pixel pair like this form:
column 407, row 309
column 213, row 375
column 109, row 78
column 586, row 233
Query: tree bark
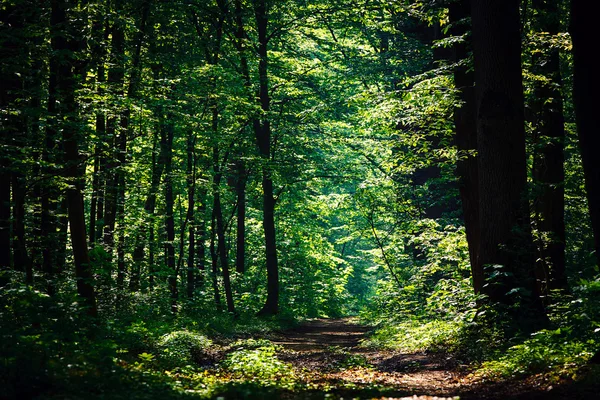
column 68, row 42
column 505, row 255
column 466, row 135
column 169, row 219
column 191, row 187
column 214, row 256
column 240, row 254
column 586, row 86
column 262, row 130
column 201, row 238
column 218, row 215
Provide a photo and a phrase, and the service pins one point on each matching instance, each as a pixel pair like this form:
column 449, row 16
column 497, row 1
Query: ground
column 330, row 358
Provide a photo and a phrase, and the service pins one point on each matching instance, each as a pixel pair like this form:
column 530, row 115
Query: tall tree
column 505, row 256
column 67, row 42
column 466, row 132
column 262, row 131
column 586, row 86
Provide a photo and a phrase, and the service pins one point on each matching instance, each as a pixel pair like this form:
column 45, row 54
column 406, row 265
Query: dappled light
column 298, row 199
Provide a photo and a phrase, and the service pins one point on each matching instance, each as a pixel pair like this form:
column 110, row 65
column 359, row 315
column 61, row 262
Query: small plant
column 181, row 348
column 256, row 360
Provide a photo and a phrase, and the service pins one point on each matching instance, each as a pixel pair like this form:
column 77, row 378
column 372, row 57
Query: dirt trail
column 328, row 353
column 328, row 349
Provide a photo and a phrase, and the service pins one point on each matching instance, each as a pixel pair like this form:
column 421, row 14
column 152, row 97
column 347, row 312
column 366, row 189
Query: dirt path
column 327, row 352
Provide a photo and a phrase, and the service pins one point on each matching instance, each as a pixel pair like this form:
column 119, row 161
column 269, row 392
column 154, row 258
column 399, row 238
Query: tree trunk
column 240, row 254
column 4, row 216
column 191, row 187
column 505, row 256
column 586, row 86
column 67, row 42
column 218, row 214
column 214, row 261
column 240, row 35
column 21, row 260
column 262, row 130
column 466, row 136
column 169, row 219
column 201, row 237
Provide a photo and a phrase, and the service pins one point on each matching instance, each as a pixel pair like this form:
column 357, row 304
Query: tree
column 67, row 41
column 466, row 133
column 262, row 131
column 505, row 255
column 585, row 87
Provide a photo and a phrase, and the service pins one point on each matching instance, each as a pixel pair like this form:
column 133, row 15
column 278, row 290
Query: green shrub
column 181, row 348
column 256, row 360
column 546, row 351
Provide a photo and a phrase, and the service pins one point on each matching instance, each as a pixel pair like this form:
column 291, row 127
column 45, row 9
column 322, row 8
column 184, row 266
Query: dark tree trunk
column 240, row 254
column 169, row 218
column 586, row 86
column 214, row 257
column 120, row 200
column 67, row 42
column 466, row 135
column 218, row 215
column 505, row 256
column 13, row 139
column 262, row 130
column 4, row 215
column 240, row 35
column 191, row 187
column 201, row 237
column 21, row 259
column 548, row 164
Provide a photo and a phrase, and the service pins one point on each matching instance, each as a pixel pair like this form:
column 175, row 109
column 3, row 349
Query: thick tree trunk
column 586, row 86
column 548, row 164
column 262, row 130
column 466, row 135
column 505, row 256
column 66, row 41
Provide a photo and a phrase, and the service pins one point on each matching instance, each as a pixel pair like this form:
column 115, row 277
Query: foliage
column 256, row 360
column 183, row 348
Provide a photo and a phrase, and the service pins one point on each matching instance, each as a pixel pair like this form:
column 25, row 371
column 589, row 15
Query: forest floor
column 330, row 358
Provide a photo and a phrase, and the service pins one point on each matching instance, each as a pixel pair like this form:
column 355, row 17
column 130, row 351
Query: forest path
column 328, row 352
column 327, row 355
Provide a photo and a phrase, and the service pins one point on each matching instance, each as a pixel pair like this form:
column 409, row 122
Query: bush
column 181, row 348
column 256, row 360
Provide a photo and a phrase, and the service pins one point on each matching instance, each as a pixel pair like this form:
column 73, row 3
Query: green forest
column 299, row 199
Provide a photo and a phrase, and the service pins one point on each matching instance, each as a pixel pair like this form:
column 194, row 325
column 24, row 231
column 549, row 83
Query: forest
column 299, row 199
